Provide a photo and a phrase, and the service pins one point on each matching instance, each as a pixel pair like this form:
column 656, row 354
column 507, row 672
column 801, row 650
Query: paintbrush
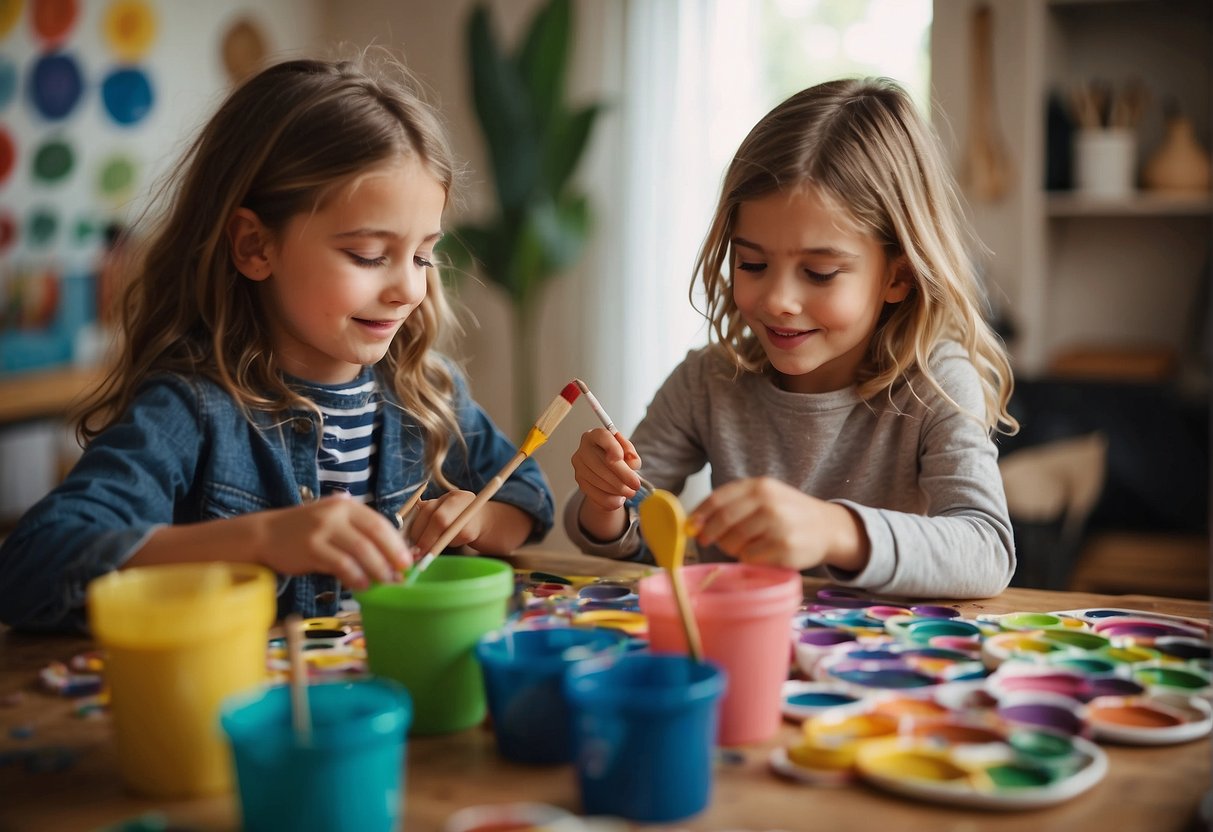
column 301, row 715
column 552, row 416
column 410, row 504
column 601, row 413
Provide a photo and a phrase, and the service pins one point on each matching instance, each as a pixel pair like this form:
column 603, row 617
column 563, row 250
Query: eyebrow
column 382, row 233
column 829, row 251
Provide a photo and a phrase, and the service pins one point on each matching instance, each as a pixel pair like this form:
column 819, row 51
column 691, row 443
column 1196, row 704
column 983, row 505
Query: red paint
column 53, row 19
column 570, row 392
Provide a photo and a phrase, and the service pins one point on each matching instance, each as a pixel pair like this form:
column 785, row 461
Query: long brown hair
column 862, row 145
column 282, row 141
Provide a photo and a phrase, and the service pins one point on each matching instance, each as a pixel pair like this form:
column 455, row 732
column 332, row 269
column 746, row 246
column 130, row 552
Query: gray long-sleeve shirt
column 921, row 475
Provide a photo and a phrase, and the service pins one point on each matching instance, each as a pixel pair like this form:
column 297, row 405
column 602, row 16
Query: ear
column 249, row 240
column 901, row 282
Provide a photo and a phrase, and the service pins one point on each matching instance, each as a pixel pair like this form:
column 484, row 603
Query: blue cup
column 349, row 777
column 524, row 682
column 644, row 725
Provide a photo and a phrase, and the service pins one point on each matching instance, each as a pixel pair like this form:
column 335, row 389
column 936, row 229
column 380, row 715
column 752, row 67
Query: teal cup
column 348, row 778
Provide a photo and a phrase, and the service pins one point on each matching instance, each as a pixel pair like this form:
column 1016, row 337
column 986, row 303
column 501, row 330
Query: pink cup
column 745, row 616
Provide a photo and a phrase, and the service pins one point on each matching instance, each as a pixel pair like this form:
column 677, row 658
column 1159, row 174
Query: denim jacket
column 184, row 452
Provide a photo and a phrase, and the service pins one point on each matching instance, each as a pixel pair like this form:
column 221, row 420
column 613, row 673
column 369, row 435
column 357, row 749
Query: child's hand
column 762, row 520
column 604, row 466
column 435, row 516
column 336, row 536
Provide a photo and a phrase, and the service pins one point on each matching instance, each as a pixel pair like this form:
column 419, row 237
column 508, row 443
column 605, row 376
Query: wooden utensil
column 663, row 525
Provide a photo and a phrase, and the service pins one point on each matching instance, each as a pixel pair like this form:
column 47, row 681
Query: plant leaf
column 543, row 59
column 504, row 111
column 564, row 145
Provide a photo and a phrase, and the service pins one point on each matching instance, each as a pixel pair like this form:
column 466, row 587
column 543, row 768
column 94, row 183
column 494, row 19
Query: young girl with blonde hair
column 847, row 399
column 278, row 397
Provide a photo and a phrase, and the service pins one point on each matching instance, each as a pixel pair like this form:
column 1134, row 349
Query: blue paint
column 55, row 85
column 886, row 678
column 820, row 699
column 127, row 94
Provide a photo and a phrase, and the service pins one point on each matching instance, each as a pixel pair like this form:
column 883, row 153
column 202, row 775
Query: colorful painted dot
column 117, row 177
column 127, row 94
column 53, row 19
column 41, row 226
column 8, row 154
column 53, row 161
column 130, row 28
column 8, row 82
column 55, row 85
column 10, row 13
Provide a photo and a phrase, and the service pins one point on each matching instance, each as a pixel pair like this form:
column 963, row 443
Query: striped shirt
column 349, row 441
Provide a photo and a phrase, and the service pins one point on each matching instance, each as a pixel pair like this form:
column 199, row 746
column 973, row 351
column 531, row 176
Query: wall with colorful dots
column 97, row 99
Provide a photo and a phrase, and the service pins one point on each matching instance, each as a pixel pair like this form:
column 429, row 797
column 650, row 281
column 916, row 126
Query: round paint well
column 955, row 733
column 820, row 699
column 1028, row 621
column 1132, row 654
column 1081, row 664
column 1182, row 648
column 923, row 630
column 832, row 729
column 1065, row 684
column 1018, row 776
column 892, row 678
column 1172, row 677
column 1042, row 715
column 914, row 765
column 881, row 612
column 902, row 707
column 1138, row 629
column 934, row 611
column 604, row 592
column 1041, row 745
column 1112, row 686
column 825, row 637
column 1132, row 714
column 1075, row 638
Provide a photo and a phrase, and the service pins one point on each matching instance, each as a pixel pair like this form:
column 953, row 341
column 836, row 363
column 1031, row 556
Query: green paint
column 117, row 176
column 53, row 161
column 1011, row 776
column 41, row 227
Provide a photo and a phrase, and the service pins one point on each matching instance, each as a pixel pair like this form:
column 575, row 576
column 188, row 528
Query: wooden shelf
column 43, row 394
column 1143, row 204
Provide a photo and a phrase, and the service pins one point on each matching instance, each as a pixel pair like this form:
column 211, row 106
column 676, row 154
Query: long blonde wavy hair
column 285, row 139
column 862, row 145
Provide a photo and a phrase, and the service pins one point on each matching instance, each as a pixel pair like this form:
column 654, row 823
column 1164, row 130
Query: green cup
column 424, row 636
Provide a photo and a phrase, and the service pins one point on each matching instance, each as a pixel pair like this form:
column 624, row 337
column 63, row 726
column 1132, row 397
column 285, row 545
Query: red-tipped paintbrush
column 552, row 416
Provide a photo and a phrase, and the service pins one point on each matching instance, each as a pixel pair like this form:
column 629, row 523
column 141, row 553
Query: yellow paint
column 10, row 13
column 130, row 28
column 835, row 731
column 890, row 758
column 632, row 623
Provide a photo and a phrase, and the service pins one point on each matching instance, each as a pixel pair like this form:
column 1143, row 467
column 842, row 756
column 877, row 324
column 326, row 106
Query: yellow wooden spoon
column 663, row 525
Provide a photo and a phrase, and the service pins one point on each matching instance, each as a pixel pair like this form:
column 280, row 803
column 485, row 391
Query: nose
column 406, row 286
column 782, row 295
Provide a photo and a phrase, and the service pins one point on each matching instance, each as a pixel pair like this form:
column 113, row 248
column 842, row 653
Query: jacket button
column 306, row 493
column 303, row 425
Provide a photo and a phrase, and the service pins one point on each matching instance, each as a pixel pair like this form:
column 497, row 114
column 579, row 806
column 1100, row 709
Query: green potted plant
column 534, row 139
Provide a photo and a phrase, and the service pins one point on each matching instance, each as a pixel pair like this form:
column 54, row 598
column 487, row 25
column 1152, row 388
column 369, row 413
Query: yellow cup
column 179, row 639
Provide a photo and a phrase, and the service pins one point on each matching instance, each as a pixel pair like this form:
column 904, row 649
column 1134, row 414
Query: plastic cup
column 524, row 679
column 744, row 614
column 179, row 639
column 349, row 778
column 424, row 636
column 644, row 726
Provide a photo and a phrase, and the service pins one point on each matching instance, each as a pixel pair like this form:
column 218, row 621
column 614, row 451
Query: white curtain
column 688, row 93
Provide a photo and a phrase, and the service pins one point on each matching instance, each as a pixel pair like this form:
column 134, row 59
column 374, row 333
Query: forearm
column 242, row 539
column 849, row 549
column 505, row 528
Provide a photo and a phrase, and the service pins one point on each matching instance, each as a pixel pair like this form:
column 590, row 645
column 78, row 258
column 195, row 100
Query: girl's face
column 342, row 280
column 809, row 287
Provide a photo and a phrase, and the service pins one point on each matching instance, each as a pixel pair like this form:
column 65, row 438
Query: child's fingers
column 630, row 455
column 387, row 541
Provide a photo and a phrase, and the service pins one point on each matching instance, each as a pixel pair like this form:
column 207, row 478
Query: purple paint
column 1112, row 686
column 604, row 592
column 1138, row 629
column 825, row 637
column 1043, row 715
column 934, row 611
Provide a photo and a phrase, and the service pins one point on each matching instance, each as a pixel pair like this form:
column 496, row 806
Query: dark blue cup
column 644, row 725
column 524, row 683
column 348, row 778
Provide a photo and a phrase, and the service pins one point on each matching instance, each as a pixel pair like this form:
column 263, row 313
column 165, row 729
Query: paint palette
column 802, row 700
column 967, row 748
column 549, row 600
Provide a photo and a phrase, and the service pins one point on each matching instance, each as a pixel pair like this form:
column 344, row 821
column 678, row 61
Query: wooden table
column 1147, row 788
column 44, row 394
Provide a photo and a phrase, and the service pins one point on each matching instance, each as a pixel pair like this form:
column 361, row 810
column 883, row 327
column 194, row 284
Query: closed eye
column 750, row 267
column 822, row 277
column 367, row 262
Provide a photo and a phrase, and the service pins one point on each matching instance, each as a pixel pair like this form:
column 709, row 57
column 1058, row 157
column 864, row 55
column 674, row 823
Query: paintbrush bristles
column 547, row 422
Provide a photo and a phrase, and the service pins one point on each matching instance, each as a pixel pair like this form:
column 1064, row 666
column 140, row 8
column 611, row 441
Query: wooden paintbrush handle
column 486, row 493
column 689, row 625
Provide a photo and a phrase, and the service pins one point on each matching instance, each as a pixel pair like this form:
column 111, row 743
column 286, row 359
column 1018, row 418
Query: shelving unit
column 1070, row 271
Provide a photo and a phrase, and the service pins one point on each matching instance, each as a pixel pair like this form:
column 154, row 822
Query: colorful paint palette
column 802, row 700
column 1149, row 720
